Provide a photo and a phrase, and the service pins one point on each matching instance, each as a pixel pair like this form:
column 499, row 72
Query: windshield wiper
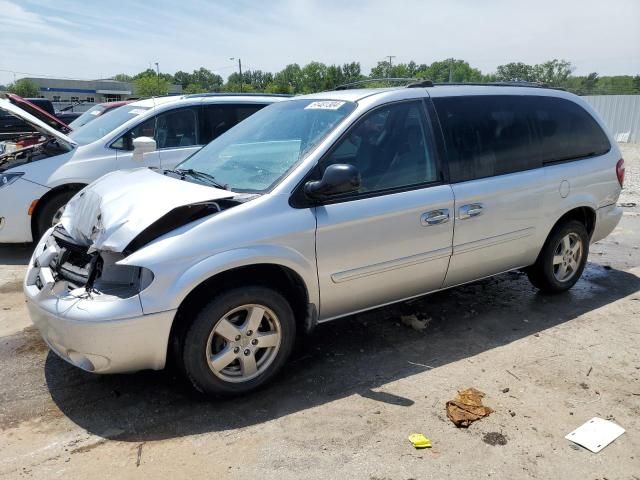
column 202, row 176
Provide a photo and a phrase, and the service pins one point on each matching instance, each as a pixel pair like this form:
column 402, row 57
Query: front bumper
column 96, row 332
column 15, row 200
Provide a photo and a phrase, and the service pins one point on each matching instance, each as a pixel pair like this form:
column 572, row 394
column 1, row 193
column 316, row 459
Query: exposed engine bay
column 67, row 267
column 15, row 157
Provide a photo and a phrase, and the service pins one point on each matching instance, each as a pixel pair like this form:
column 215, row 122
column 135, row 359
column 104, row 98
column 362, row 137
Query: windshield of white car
column 258, row 152
column 87, row 116
column 105, row 124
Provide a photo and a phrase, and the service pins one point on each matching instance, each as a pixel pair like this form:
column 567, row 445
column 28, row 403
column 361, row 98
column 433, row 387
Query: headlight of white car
column 9, row 178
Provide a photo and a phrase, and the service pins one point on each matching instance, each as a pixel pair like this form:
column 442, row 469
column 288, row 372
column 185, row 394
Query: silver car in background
column 315, row 208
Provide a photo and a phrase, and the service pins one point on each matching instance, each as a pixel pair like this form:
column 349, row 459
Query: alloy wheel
column 567, row 257
column 244, row 343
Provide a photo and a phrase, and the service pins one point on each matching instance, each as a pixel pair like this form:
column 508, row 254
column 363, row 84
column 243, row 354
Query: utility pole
column 451, row 70
column 390, row 57
column 240, row 70
column 158, row 77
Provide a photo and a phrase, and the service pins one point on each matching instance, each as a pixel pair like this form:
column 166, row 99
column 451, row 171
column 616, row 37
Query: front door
column 176, row 133
column 124, row 147
column 392, row 239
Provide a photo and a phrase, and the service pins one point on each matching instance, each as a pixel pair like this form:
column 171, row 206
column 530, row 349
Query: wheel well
column 69, row 187
column 278, row 277
column 584, row 215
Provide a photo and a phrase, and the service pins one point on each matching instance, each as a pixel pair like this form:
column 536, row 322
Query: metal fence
column 621, row 114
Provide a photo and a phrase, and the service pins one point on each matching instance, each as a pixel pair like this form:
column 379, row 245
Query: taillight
column 620, row 171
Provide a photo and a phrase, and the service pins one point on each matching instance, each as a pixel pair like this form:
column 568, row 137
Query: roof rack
column 420, row 84
column 515, row 83
column 412, row 82
column 237, row 94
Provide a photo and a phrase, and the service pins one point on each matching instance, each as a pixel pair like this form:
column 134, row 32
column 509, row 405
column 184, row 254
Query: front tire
column 51, row 212
column 562, row 259
column 238, row 341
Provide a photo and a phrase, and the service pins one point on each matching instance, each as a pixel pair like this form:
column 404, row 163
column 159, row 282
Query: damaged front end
column 81, row 291
column 65, row 267
column 69, row 263
column 87, row 307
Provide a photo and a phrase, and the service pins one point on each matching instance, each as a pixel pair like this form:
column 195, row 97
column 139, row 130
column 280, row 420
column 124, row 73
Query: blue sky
column 96, row 39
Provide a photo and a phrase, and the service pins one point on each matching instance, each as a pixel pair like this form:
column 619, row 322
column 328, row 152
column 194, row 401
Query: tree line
column 316, row 76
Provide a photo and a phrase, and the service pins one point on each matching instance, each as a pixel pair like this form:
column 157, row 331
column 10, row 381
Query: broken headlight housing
column 109, row 277
column 97, row 272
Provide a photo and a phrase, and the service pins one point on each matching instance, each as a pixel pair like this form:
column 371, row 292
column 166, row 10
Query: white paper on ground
column 596, row 434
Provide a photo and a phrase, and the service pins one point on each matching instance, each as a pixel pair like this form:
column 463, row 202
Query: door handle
column 434, row 217
column 471, row 210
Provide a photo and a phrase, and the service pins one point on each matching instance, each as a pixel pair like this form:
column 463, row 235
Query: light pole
column 158, row 76
column 390, row 57
column 240, row 69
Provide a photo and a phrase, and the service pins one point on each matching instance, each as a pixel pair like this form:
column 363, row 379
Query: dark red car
column 97, row 111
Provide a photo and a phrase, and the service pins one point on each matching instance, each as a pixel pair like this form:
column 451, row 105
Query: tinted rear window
column 495, row 135
column 566, row 130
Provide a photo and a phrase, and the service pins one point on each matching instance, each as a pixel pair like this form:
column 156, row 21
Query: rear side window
column 499, row 134
column 566, row 131
column 218, row 118
column 487, row 135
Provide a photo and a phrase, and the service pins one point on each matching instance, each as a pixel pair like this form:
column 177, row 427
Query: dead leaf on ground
column 467, row 407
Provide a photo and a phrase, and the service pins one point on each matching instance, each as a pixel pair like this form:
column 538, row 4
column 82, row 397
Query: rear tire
column 238, row 341
column 562, row 258
column 51, row 212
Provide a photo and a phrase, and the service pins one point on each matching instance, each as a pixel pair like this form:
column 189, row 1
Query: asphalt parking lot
column 355, row 390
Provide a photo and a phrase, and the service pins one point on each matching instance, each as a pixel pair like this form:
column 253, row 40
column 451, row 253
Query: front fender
column 167, row 292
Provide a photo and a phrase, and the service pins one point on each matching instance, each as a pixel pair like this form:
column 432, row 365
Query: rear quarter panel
column 591, row 183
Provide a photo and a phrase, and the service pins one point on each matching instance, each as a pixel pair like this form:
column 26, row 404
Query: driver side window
column 390, row 147
column 174, row 129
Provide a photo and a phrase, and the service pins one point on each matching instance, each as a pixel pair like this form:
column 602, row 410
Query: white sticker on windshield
column 325, row 105
column 95, row 112
column 137, row 111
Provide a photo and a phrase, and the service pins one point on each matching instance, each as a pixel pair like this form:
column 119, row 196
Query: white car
column 37, row 182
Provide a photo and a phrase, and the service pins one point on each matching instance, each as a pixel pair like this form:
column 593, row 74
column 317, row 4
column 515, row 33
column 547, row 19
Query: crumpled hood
column 113, row 210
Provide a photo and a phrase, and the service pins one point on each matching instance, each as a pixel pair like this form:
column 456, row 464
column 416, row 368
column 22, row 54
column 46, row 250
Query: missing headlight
column 121, row 279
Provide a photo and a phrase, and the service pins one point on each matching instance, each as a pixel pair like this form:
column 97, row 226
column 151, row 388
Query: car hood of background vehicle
column 115, row 209
column 39, row 113
column 36, row 123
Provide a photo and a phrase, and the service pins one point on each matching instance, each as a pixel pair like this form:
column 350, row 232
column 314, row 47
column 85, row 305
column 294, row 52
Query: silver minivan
column 315, row 208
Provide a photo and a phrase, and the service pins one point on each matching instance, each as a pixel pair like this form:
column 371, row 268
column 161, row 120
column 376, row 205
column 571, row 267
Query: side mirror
column 142, row 145
column 338, row 178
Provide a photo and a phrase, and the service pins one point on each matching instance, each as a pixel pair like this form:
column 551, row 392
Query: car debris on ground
column 414, row 322
column 595, row 434
column 418, row 440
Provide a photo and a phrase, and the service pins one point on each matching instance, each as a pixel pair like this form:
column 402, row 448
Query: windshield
column 86, row 117
column 258, row 152
column 105, row 124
